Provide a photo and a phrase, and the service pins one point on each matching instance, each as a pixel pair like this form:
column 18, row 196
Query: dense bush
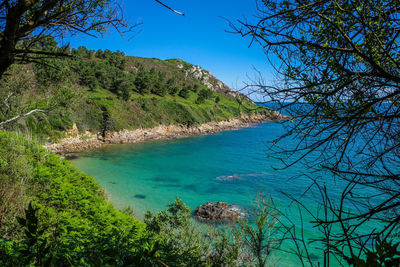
column 71, row 222
column 200, row 99
column 184, row 93
column 205, row 93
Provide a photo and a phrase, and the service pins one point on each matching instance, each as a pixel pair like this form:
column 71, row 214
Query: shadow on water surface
column 191, row 187
column 164, row 179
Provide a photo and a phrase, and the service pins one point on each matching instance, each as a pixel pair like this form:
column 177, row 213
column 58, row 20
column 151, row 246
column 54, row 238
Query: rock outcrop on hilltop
column 210, row 81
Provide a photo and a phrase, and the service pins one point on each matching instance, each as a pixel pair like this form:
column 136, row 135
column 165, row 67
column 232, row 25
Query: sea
column 232, row 166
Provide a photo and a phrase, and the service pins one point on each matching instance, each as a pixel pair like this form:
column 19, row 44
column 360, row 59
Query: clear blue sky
column 198, row 38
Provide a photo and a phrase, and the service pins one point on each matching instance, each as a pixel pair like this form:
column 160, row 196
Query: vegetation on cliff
column 103, row 91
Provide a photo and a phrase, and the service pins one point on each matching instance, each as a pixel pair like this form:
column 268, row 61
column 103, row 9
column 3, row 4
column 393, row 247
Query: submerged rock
column 70, row 156
column 218, row 211
column 227, row 177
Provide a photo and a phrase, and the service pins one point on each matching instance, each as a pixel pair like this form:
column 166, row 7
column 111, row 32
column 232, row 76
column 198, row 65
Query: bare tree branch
column 173, row 10
column 20, row 116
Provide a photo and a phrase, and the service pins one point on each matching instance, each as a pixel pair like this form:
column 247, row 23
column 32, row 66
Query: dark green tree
column 195, row 87
column 205, row 93
column 200, row 99
column 184, row 92
column 99, row 54
column 143, row 82
column 159, row 89
column 171, row 82
column 173, row 90
column 50, row 71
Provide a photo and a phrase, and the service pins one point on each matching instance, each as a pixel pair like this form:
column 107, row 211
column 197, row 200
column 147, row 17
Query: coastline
column 75, row 141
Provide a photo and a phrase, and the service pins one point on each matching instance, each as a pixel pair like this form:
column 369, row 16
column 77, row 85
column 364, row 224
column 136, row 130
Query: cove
column 231, row 166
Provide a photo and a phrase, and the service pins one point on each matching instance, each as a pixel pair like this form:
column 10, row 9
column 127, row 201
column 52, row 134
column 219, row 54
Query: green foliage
column 226, row 248
column 50, row 71
column 173, row 234
column 184, row 93
column 75, row 224
column 143, row 82
column 262, row 237
column 159, row 89
column 200, row 99
column 9, row 255
column 173, row 90
column 195, row 87
column 385, row 254
column 205, row 93
column 34, row 247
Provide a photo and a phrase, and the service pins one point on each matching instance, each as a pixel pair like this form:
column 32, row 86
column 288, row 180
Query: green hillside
column 104, row 91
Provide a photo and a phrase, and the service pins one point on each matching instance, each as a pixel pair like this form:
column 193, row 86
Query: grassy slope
column 87, row 107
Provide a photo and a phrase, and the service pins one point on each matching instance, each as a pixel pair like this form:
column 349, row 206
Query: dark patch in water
column 70, row 156
column 139, row 196
column 157, row 186
column 168, row 185
column 103, row 158
column 192, row 187
column 213, row 189
column 164, row 179
column 112, row 182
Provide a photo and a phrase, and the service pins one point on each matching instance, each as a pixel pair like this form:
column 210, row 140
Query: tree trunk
column 6, row 59
column 10, row 36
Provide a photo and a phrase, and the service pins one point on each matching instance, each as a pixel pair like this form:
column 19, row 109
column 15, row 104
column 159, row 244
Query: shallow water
column 232, row 166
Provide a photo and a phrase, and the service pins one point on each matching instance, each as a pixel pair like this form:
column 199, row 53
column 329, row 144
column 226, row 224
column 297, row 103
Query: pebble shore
column 83, row 141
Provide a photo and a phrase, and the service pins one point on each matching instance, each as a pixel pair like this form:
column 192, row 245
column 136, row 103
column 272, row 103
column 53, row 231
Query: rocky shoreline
column 78, row 142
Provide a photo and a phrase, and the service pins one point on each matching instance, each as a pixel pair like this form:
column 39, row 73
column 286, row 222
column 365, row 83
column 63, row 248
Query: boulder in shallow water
column 218, row 211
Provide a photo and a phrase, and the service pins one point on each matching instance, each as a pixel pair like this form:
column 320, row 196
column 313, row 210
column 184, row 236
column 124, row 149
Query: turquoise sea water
column 232, row 166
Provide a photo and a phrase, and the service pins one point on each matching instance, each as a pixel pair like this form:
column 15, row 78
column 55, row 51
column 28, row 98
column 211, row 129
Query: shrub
column 200, row 99
column 184, row 93
column 173, row 90
column 206, row 93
